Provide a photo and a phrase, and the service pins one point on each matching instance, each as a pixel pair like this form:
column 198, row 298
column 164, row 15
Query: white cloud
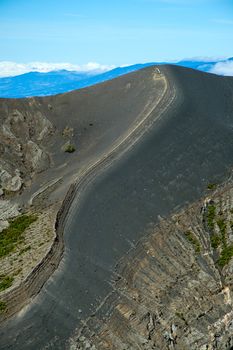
column 223, row 68
column 8, row 68
column 205, row 58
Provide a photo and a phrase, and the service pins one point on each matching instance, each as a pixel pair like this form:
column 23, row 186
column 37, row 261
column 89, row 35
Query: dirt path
column 20, row 296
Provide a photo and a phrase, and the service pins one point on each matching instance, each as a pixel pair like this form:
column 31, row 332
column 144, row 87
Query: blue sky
column 114, row 32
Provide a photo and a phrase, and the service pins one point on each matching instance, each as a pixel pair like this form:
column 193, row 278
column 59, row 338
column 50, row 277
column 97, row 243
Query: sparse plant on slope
column 211, row 186
column 70, row 148
column 211, row 216
column 5, row 282
column 2, row 306
column 225, row 256
column 193, row 240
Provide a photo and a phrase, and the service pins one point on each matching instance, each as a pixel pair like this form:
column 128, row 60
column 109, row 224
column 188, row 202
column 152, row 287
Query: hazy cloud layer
column 8, row 68
column 205, row 59
column 223, row 68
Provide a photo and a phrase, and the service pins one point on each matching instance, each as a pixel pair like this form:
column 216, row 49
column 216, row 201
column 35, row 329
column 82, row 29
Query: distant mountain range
column 56, row 82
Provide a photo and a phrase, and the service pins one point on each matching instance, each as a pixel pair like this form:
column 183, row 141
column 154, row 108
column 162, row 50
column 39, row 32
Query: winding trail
column 70, row 207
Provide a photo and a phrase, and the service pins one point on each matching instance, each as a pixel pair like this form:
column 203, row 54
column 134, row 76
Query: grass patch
column 193, row 240
column 2, row 306
column 211, row 216
column 225, row 256
column 13, row 234
column 211, row 186
column 5, row 282
column 24, row 250
column 69, row 148
column 215, row 241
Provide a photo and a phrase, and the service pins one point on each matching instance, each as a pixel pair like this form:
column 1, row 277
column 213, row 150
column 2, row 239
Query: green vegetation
column 226, row 251
column 24, row 250
column 2, row 306
column 222, row 227
column 69, row 148
column 211, row 186
column 13, row 234
column 5, row 282
column 210, row 216
column 193, row 240
column 220, row 240
column 225, row 256
column 215, row 241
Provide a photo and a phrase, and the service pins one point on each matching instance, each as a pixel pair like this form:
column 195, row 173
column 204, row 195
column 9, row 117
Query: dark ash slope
column 189, row 147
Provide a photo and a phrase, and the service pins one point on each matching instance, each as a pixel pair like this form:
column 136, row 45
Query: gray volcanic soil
column 189, row 147
column 98, row 116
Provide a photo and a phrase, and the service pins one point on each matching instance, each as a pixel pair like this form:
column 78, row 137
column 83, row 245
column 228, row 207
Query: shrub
column 193, row 240
column 222, row 227
column 215, row 240
column 225, row 256
column 2, row 306
column 5, row 282
column 211, row 186
column 70, row 148
column 211, row 216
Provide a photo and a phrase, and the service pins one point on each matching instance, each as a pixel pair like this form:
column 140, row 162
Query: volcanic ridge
column 116, row 215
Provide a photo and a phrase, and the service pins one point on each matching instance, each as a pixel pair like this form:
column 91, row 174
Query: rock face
column 11, row 183
column 22, row 151
column 8, row 210
column 174, row 291
column 36, row 158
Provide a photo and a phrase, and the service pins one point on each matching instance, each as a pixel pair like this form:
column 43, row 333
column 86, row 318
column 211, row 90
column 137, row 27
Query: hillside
column 153, row 153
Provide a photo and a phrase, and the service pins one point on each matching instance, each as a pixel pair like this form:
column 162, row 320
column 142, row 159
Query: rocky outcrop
column 36, row 158
column 22, row 151
column 173, row 291
column 8, row 210
column 23, row 133
column 10, row 183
